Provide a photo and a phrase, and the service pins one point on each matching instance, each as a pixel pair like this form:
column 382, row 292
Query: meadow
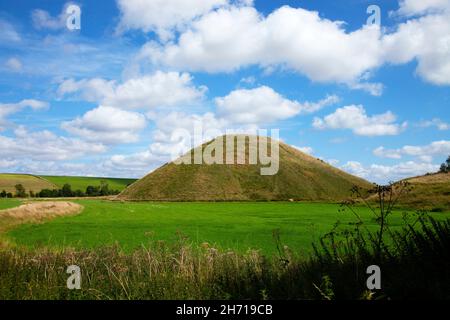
column 233, row 226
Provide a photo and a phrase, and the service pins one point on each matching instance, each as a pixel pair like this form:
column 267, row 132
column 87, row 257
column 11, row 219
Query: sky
column 363, row 85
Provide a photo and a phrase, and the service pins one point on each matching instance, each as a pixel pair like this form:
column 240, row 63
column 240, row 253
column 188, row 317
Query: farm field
column 235, row 226
column 81, row 183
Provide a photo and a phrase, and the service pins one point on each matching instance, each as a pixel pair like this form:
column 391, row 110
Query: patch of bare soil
column 42, row 210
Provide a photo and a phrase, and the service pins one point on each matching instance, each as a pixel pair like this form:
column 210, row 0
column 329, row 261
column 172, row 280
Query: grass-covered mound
column 300, row 177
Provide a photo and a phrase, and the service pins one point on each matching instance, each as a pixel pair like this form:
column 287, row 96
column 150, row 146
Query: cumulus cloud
column 384, row 174
column 231, row 38
column 264, row 105
column 235, row 37
column 45, row 145
column 427, row 40
column 107, row 125
column 355, row 118
column 161, row 16
column 160, row 89
column 436, row 148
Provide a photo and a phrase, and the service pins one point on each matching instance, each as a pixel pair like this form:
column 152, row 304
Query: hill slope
column 431, row 192
column 81, row 183
column 300, row 177
column 30, row 182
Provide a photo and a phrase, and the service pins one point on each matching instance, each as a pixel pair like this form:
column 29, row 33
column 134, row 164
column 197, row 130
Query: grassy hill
column 300, row 177
column 30, row 182
column 430, row 192
column 81, row 183
column 37, row 183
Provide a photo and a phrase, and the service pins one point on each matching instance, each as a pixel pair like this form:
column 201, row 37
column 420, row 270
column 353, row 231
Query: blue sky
column 106, row 99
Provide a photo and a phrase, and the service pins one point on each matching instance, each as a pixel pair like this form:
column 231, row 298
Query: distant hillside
column 30, row 182
column 431, row 192
column 37, row 183
column 300, row 177
column 81, row 183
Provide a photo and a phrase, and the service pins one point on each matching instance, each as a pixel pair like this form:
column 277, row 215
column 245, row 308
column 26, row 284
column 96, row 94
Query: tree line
column 64, row 192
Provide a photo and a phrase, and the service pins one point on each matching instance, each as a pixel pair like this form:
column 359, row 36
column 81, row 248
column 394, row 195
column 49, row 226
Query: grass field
column 9, row 203
column 236, row 226
column 30, row 182
column 81, row 183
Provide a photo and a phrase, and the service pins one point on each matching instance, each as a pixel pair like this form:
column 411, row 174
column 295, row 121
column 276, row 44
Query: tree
column 104, row 188
column 92, row 191
column 445, row 167
column 3, row 194
column 66, row 191
column 20, row 191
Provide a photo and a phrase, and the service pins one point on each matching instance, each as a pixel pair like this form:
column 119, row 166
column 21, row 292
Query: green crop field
column 81, row 183
column 236, row 226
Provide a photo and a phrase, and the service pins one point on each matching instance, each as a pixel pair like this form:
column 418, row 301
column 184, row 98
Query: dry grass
column 30, row 182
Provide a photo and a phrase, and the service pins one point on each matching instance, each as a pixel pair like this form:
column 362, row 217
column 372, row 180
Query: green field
column 81, row 183
column 236, row 226
column 9, row 203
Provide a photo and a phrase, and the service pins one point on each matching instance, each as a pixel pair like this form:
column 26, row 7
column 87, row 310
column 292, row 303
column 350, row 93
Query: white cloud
column 418, row 7
column 383, row 174
column 356, row 119
column 264, row 105
column 14, row 64
column 160, row 89
column 133, row 165
column 7, row 109
column 161, row 16
column 436, row 122
column 436, row 148
column 232, row 38
column 107, row 125
column 45, row 145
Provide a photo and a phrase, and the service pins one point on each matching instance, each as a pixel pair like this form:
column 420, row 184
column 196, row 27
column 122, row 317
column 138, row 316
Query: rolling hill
column 37, row 183
column 430, row 192
column 30, row 182
column 300, row 177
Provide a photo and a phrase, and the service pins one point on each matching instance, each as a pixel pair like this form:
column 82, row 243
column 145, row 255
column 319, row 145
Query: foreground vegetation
column 417, row 266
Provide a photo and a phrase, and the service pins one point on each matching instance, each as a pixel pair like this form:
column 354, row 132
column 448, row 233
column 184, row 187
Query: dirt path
column 37, row 211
